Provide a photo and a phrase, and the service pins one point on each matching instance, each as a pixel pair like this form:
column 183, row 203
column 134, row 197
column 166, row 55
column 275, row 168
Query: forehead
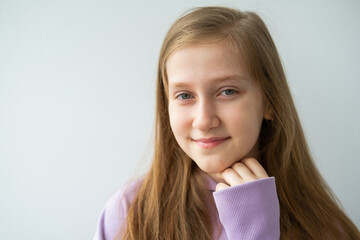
column 205, row 62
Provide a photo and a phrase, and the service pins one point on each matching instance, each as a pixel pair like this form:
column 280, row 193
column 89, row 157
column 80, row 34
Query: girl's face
column 215, row 108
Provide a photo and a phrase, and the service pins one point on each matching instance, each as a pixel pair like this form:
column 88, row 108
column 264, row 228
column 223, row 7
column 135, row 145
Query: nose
column 205, row 116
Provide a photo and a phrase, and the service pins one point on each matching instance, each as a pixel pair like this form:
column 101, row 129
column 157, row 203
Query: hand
column 247, row 170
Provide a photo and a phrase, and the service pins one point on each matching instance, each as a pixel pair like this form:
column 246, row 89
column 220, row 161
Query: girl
column 225, row 122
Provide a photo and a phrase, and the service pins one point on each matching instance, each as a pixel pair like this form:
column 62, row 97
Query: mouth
column 210, row 142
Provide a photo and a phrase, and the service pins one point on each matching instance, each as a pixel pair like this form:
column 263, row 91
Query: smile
column 210, row 142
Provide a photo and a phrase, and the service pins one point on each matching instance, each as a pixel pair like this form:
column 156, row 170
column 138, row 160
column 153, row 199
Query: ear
column 268, row 113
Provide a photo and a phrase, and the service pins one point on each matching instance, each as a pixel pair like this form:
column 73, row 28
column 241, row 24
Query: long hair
column 170, row 202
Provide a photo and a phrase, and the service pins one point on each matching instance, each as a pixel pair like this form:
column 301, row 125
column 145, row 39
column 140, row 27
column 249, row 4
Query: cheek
column 178, row 121
column 245, row 127
column 245, row 121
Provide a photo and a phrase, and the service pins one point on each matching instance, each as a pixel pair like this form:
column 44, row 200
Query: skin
column 211, row 94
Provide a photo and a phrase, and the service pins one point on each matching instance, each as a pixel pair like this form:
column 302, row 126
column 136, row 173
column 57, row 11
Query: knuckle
column 238, row 164
column 227, row 171
column 240, row 167
column 250, row 160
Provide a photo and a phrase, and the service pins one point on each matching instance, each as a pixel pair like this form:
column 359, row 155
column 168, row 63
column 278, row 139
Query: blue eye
column 184, row 96
column 229, row 92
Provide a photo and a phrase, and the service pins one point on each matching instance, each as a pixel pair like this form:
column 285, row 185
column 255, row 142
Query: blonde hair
column 170, row 202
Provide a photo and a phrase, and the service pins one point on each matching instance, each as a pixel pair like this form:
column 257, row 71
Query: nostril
column 205, row 123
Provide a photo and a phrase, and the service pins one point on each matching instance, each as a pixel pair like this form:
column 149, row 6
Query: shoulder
column 123, row 196
column 114, row 213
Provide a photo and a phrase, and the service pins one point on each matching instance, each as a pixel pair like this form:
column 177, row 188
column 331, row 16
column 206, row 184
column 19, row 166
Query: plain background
column 77, row 82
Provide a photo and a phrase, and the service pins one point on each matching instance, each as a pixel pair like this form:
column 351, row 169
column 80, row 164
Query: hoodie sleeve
column 250, row 211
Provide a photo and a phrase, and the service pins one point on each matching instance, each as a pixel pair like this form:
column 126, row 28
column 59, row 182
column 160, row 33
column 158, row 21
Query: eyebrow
column 236, row 79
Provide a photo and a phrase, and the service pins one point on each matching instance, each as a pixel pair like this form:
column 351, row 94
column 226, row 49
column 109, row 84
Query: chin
column 213, row 168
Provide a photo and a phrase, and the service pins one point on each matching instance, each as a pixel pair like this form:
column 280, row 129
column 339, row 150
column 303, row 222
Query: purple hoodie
column 247, row 211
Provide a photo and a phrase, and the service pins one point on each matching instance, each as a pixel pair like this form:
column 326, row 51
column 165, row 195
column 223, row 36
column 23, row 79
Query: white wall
column 77, row 82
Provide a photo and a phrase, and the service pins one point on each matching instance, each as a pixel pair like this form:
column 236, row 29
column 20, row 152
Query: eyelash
column 229, row 89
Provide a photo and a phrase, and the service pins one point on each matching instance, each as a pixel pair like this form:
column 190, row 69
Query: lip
column 210, row 142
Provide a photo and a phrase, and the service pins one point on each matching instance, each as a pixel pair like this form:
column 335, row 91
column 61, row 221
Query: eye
column 228, row 92
column 184, row 96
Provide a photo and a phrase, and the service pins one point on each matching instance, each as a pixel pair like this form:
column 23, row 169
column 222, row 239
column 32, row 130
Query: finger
column 231, row 177
column 243, row 171
column 254, row 166
column 221, row 186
